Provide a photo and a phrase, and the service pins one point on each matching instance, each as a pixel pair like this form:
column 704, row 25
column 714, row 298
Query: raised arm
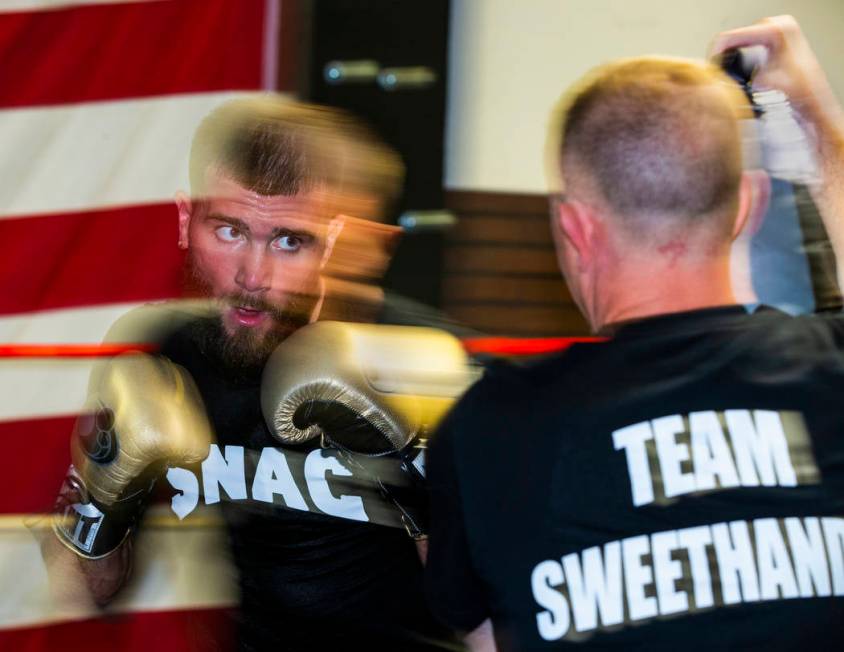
column 793, row 68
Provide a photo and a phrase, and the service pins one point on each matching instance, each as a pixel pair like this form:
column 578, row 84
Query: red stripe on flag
column 116, row 51
column 116, row 255
column 194, row 630
column 523, row 346
column 36, row 454
column 71, row 350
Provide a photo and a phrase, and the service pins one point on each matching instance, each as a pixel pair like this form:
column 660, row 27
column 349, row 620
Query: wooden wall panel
column 501, row 229
column 476, row 288
column 501, row 273
column 519, row 319
column 508, row 260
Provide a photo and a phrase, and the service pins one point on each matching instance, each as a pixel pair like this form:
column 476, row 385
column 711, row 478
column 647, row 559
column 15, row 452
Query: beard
column 244, row 351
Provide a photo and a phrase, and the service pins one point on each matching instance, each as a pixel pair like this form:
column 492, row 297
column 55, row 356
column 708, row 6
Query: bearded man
column 321, row 554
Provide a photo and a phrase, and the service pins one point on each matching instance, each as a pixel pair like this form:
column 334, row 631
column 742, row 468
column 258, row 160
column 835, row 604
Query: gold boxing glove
column 143, row 414
column 400, row 380
column 367, row 391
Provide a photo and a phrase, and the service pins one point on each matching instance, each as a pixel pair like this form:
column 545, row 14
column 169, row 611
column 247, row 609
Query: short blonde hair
column 655, row 136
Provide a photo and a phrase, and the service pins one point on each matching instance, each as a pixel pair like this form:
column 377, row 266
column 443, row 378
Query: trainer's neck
column 641, row 291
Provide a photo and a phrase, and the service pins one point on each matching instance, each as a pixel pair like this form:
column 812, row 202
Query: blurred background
column 472, row 129
column 98, row 103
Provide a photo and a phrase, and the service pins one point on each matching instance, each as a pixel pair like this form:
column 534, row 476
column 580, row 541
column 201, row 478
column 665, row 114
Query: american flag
column 98, row 103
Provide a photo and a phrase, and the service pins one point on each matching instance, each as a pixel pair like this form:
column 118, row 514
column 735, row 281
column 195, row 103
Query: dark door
column 407, row 42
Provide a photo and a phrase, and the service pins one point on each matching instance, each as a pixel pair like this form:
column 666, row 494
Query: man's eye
column 288, row 243
column 228, row 233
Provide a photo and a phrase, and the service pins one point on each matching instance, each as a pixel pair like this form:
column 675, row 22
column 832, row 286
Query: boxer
column 322, row 553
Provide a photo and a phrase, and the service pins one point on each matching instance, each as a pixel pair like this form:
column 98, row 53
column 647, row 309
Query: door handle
column 436, row 220
column 357, row 71
column 406, row 78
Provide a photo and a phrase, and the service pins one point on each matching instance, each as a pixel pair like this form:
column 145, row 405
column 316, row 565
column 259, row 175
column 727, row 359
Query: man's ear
column 185, row 208
column 754, row 199
column 335, row 227
column 575, row 223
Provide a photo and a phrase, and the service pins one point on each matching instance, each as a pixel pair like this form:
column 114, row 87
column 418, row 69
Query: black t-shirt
column 323, row 560
column 680, row 486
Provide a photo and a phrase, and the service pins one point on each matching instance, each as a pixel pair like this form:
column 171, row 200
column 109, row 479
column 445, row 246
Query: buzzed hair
column 656, row 137
column 275, row 146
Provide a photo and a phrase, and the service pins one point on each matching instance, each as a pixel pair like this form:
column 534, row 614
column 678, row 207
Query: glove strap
column 412, row 520
column 93, row 530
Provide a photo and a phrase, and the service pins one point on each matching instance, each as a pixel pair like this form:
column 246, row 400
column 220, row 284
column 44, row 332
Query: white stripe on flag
column 67, row 326
column 175, row 568
column 8, row 6
column 82, row 156
column 43, row 388
column 51, row 387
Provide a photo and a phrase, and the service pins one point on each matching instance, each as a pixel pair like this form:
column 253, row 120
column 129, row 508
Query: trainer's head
column 270, row 182
column 648, row 151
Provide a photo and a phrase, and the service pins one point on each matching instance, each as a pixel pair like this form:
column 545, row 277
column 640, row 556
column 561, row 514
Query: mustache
column 297, row 304
column 243, row 300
